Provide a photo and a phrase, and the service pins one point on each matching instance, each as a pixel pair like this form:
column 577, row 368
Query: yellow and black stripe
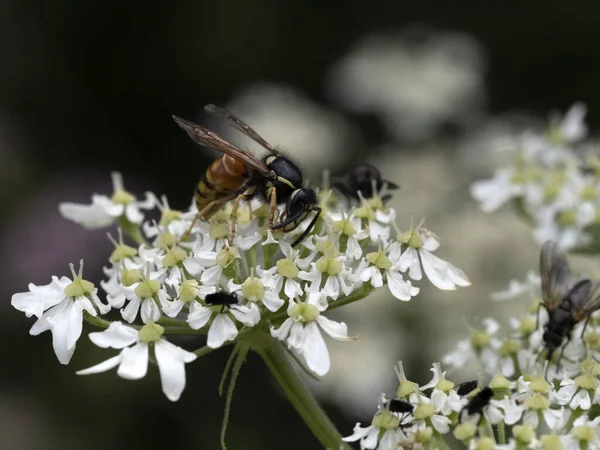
column 224, row 177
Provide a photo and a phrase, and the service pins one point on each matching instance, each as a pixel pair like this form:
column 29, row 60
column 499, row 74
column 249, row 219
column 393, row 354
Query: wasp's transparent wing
column 209, row 139
column 238, row 124
column 555, row 274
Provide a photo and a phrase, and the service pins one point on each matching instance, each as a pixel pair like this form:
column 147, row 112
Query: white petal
column 292, row 288
column 149, row 202
column 171, row 360
column 211, row 276
column 249, row 314
column 272, row 301
column 150, row 311
column 358, row 433
column 282, row 332
column 440, row 423
column 110, row 208
column 90, row 216
column 222, row 329
column 399, row 287
column 102, row 367
column 134, row 362
column 172, row 309
column 133, row 214
column 129, row 313
column 117, row 335
column 353, row 249
column 410, row 260
column 436, row 270
column 337, row 330
column 40, row 298
column 314, row 350
column 66, row 322
column 198, row 316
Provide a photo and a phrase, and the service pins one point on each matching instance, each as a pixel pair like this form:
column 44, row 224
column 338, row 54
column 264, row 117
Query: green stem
column 574, row 415
column 441, row 443
column 101, row 323
column 276, row 359
column 501, row 433
column 132, row 230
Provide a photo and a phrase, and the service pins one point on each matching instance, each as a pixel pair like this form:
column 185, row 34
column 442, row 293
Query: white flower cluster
column 554, row 180
column 205, row 282
column 511, row 413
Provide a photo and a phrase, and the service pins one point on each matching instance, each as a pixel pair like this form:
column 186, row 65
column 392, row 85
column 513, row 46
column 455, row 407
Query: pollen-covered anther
column 539, row 384
column 329, row 265
column 587, row 381
column 174, row 256
column 527, row 325
column 423, row 411
column 219, row 231
column 344, row 227
column 510, row 347
column 379, row 259
column 537, row 402
column 444, row 385
column 304, row 312
column 189, row 291
column 253, row 289
column 226, row 257
column 121, row 251
column 523, row 433
column 465, row 431
column 130, row 276
column 584, row 433
column 480, row 339
column 147, row 288
column 386, row 420
column 79, row 286
column 151, row 332
column 287, row 268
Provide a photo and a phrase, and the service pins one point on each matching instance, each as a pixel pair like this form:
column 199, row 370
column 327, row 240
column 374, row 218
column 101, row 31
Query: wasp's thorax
column 287, row 177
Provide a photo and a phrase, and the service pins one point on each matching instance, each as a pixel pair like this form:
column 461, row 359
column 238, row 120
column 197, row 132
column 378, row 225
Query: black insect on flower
column 477, row 403
column 567, row 302
column 224, row 299
column 364, row 180
column 401, row 407
column 466, row 388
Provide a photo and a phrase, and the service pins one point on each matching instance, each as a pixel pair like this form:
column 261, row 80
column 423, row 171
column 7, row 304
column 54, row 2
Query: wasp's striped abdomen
column 225, row 176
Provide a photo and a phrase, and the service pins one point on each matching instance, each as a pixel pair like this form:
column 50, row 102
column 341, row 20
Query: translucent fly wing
column 585, row 298
column 555, row 275
column 207, row 138
column 240, row 125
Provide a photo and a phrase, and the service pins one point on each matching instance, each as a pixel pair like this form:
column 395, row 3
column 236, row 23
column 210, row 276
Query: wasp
column 477, row 402
column 238, row 175
column 567, row 303
column 364, row 180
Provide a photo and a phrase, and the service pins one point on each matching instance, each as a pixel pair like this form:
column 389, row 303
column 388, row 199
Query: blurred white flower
column 288, row 120
column 104, row 210
column 415, row 85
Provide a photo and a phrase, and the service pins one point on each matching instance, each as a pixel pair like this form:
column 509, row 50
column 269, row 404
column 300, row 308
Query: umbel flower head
column 250, row 289
column 553, row 181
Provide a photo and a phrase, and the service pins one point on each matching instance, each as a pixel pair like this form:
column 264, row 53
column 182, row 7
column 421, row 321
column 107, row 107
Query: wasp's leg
column 272, row 195
column 205, row 210
column 309, row 228
column 236, row 204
